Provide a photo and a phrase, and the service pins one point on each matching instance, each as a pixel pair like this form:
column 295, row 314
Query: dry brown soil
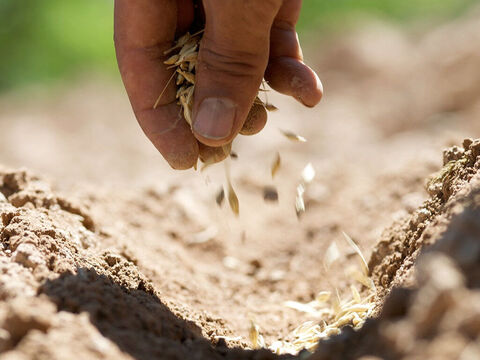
column 110, row 255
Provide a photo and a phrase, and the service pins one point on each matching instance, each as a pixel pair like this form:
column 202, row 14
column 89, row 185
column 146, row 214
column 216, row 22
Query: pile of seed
column 330, row 311
column 184, row 61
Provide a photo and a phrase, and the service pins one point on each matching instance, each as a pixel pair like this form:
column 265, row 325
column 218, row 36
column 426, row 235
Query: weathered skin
column 244, row 42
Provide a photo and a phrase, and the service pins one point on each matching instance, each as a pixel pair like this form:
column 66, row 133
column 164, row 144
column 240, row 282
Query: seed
column 180, row 79
column 363, row 279
column 172, row 60
column 323, row 296
column 233, row 200
column 270, row 194
column 270, row 107
column 332, row 254
column 308, row 173
column 232, row 196
column 356, row 294
column 181, row 91
column 292, row 136
column 190, row 56
column 277, row 162
column 255, row 337
column 299, row 201
column 188, row 76
column 344, row 320
column 220, row 197
column 189, row 47
column 355, row 247
column 190, row 91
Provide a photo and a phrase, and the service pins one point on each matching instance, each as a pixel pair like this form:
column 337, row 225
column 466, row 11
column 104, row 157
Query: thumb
column 231, row 64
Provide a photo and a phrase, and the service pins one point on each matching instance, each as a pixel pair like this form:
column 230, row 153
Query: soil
column 109, row 254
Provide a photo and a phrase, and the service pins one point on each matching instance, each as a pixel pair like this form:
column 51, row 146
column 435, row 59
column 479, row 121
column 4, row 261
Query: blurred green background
column 43, row 41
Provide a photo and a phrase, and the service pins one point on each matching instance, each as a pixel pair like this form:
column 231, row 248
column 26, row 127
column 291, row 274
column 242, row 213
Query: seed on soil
column 255, row 338
column 323, row 296
column 356, row 294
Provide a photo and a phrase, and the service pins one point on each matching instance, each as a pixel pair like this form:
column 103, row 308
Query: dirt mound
column 392, row 260
column 433, row 311
column 63, row 291
column 139, row 262
column 64, row 288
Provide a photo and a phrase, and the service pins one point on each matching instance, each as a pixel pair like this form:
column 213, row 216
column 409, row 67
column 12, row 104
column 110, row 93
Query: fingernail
column 215, row 118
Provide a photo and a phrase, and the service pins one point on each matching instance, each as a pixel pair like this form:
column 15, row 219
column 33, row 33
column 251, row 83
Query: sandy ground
column 142, row 262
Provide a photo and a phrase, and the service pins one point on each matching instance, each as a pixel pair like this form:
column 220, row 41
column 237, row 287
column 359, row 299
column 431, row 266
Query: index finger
column 144, row 29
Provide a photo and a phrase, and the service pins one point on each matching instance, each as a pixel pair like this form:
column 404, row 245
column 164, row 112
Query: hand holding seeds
column 244, row 42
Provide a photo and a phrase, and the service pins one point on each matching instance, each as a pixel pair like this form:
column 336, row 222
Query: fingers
column 232, row 61
column 212, row 155
column 256, row 120
column 144, row 29
column 286, row 71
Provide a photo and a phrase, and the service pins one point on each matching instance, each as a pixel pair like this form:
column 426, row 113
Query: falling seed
column 233, row 200
column 331, row 255
column 277, row 162
column 299, row 201
column 234, row 155
column 355, row 247
column 292, row 136
column 270, row 194
column 308, row 173
column 232, row 196
column 220, row 197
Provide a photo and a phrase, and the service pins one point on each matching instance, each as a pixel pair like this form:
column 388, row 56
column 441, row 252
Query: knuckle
column 264, row 8
column 236, row 63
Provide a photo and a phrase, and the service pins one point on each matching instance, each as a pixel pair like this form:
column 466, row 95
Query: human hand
column 244, row 41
